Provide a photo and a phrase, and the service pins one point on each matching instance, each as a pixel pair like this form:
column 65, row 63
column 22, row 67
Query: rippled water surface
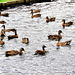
column 56, row 61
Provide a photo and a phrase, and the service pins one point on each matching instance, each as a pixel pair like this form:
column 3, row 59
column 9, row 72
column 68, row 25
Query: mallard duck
column 50, row 20
column 25, row 40
column 56, row 37
column 5, row 14
column 66, row 24
column 40, row 51
column 64, row 43
column 7, row 30
column 2, row 22
column 35, row 11
column 37, row 15
column 2, row 42
column 14, row 52
column 13, row 36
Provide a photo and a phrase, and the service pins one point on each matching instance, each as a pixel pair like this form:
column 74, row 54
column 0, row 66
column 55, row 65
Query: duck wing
column 12, row 52
column 70, row 23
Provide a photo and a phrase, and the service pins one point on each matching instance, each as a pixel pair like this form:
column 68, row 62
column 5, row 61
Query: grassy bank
column 1, row 1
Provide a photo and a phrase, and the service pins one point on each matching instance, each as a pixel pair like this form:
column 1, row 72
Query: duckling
column 2, row 42
column 66, row 24
column 2, row 22
column 25, row 40
column 50, row 20
column 35, row 11
column 56, row 37
column 7, row 30
column 64, row 43
column 13, row 36
column 37, row 15
column 14, row 52
column 5, row 14
column 40, row 51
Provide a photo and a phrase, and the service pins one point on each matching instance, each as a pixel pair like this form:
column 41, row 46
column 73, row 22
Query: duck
column 25, row 40
column 2, row 42
column 13, row 36
column 51, row 19
column 35, row 11
column 2, row 22
column 37, row 15
column 5, row 14
column 56, row 37
column 67, row 23
column 40, row 52
column 14, row 52
column 7, row 30
column 64, row 43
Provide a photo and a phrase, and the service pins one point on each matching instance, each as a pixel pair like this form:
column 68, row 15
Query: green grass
column 1, row 1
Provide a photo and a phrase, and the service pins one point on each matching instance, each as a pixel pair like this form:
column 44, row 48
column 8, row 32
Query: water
column 57, row 61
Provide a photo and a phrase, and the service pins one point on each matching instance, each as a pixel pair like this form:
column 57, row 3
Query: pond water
column 56, row 61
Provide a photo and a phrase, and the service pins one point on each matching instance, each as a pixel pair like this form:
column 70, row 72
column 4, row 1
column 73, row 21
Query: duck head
column 3, row 26
column 59, row 32
column 43, row 47
column 21, row 49
column 47, row 17
column 63, row 20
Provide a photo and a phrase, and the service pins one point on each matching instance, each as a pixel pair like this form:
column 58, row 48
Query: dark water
column 57, row 61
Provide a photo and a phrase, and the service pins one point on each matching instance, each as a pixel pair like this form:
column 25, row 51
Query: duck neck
column 64, row 21
column 43, row 49
column 32, row 13
column 15, row 32
column 4, row 27
column 20, row 53
column 59, row 33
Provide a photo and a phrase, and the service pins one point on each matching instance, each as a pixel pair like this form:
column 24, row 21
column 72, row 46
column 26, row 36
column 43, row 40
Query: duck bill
column 24, row 51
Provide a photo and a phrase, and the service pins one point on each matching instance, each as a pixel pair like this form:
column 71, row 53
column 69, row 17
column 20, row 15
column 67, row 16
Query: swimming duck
column 56, row 37
column 64, row 43
column 5, row 14
column 14, row 52
column 40, row 51
column 2, row 22
column 2, row 42
column 35, row 11
column 37, row 15
column 13, row 36
column 25, row 40
column 50, row 20
column 7, row 30
column 66, row 24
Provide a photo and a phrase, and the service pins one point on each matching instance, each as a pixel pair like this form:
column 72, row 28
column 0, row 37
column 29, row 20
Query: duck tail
column 68, row 42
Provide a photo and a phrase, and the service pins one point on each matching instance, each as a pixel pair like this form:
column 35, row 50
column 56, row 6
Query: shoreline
column 4, row 5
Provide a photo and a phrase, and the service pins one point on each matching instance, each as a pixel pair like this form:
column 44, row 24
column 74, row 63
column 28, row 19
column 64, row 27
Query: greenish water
column 1, row 1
